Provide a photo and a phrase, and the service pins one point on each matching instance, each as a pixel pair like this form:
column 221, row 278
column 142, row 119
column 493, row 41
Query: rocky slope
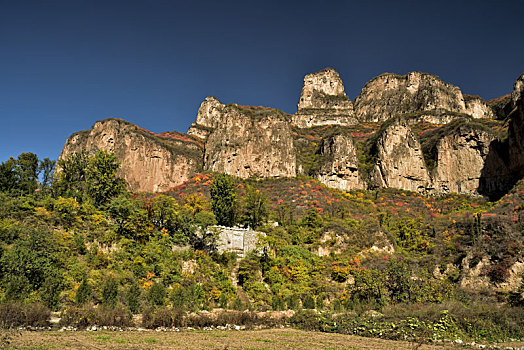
column 149, row 162
column 413, row 132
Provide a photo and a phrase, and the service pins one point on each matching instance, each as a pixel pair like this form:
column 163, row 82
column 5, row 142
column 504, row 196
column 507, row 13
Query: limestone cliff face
column 208, row 118
column 399, row 159
column 149, row 162
column 460, row 156
column 516, row 129
column 323, row 101
column 339, row 164
column 389, row 95
column 251, row 142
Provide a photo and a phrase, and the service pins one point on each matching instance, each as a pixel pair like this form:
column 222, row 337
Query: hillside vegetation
column 386, row 263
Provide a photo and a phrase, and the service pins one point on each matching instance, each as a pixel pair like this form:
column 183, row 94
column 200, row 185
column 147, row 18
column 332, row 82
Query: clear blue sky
column 66, row 63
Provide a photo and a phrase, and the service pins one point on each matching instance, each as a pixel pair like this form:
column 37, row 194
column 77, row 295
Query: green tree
column 157, row 294
column 83, row 293
column 254, row 207
column 8, row 180
column 47, row 168
column 223, row 199
column 133, row 296
column 103, row 182
column 72, row 176
column 110, row 292
column 27, row 171
column 178, row 298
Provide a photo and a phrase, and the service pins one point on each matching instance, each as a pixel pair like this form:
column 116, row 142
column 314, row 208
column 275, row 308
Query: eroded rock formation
column 454, row 156
column 399, row 160
column 149, row 162
column 323, row 101
column 516, row 128
column 389, row 95
column 339, row 164
column 251, row 142
column 460, row 155
column 208, row 118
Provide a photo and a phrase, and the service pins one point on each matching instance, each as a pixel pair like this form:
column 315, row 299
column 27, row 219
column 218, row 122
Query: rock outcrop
column 208, row 118
column 339, row 164
column 459, row 157
column 457, row 152
column 516, row 128
column 389, row 95
column 251, row 142
column 323, row 101
column 399, row 159
column 149, row 162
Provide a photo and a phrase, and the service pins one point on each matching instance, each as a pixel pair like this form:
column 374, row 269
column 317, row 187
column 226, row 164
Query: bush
column 162, row 317
column 87, row 315
column 15, row 314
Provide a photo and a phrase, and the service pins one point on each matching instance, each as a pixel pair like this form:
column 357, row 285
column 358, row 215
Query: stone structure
column 236, row 239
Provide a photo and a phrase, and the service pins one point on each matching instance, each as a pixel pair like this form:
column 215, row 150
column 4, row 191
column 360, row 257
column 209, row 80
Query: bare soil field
column 253, row 340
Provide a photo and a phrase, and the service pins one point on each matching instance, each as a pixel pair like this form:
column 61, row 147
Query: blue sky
column 66, row 63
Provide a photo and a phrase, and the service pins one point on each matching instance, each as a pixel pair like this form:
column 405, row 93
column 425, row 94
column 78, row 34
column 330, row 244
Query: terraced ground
column 254, row 340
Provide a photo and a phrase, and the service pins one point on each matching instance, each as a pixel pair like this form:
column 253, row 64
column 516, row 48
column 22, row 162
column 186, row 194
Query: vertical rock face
column 460, row 158
column 399, row 159
column 323, row 101
column 148, row 162
column 208, row 118
column 516, row 128
column 339, row 164
column 251, row 142
column 389, row 95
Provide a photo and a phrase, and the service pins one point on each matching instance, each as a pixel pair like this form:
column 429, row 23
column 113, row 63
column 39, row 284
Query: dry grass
column 254, row 340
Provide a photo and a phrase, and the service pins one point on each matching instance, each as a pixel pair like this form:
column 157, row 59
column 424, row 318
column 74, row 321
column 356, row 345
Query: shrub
column 15, row 314
column 162, row 317
column 116, row 316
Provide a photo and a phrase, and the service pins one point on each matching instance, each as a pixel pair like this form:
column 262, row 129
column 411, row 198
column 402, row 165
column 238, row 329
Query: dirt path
column 251, row 340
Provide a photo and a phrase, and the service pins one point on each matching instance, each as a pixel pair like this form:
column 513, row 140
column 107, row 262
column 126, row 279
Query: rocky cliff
column 516, row 128
column 339, row 163
column 457, row 154
column 323, row 101
column 399, row 162
column 251, row 142
column 413, row 132
column 389, row 95
column 149, row 162
column 208, row 118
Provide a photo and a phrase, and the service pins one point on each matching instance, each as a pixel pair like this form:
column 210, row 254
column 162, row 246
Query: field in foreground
column 260, row 339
